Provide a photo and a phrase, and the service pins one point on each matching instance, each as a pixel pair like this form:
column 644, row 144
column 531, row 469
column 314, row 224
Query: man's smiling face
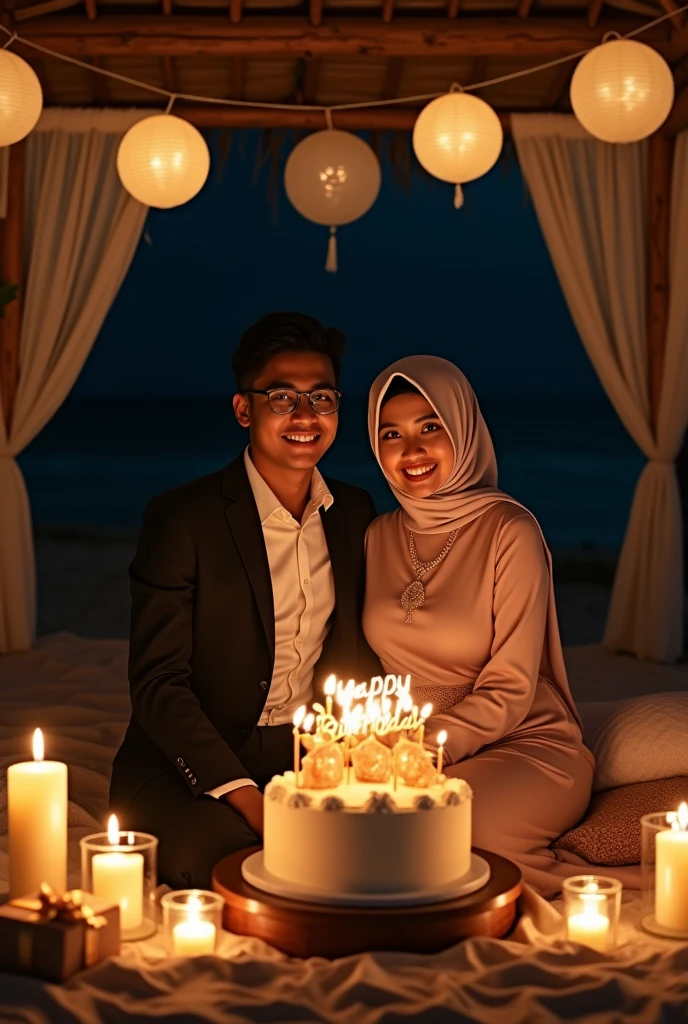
column 299, row 439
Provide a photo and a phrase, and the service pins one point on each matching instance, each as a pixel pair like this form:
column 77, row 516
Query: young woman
column 459, row 594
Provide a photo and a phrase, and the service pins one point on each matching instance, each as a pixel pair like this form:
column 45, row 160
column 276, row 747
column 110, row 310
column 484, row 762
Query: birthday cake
column 367, row 810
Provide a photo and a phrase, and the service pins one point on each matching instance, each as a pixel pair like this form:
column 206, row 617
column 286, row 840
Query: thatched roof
column 326, row 51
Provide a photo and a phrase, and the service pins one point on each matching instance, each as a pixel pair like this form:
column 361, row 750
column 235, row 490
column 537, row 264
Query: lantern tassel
column 458, row 197
column 331, row 262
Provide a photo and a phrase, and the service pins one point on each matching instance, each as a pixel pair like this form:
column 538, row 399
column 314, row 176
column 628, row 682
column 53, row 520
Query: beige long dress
column 475, row 649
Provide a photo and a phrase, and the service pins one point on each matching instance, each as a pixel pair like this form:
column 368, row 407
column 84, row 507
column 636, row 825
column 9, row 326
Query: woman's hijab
column 471, row 486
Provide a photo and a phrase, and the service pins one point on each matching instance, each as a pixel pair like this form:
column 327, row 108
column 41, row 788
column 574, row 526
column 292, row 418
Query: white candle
column 118, row 877
column 441, row 740
column 671, row 873
column 193, row 937
column 298, row 719
column 425, row 712
column 37, row 823
column 330, row 690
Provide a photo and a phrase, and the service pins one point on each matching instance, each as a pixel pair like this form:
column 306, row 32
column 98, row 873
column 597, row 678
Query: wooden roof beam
column 138, row 35
column 237, row 78
column 559, row 84
column 594, row 11
column 363, row 119
column 101, row 86
column 390, row 89
column 315, row 11
column 477, row 71
column 91, row 9
column 311, row 75
column 236, row 11
column 453, row 8
column 167, row 7
column 169, row 74
column 524, row 8
column 387, row 11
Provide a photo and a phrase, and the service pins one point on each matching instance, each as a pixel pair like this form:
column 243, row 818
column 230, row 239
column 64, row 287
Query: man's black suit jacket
column 203, row 628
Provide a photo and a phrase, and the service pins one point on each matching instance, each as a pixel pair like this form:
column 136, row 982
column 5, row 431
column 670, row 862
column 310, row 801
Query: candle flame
column 194, row 906
column 441, row 738
column 38, row 745
column 682, row 817
column 299, row 716
column 330, row 686
column 308, row 722
column 591, row 886
column 113, row 830
column 426, row 711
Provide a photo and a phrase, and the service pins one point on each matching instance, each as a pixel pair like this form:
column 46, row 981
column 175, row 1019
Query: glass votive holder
column 191, row 921
column 123, row 867
column 592, row 906
column 664, row 867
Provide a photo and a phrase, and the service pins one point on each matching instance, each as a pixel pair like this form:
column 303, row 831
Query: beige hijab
column 471, row 487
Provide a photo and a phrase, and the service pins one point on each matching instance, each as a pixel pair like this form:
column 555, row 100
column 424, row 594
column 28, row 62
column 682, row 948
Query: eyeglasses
column 282, row 401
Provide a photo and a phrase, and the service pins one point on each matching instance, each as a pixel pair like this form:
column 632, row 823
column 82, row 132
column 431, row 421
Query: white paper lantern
column 163, row 161
column 457, row 138
column 332, row 178
column 21, row 98
column 622, row 91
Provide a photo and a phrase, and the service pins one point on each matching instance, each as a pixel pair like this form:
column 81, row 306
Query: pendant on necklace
column 412, row 598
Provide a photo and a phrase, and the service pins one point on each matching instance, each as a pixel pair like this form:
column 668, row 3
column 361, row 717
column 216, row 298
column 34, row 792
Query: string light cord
column 326, row 111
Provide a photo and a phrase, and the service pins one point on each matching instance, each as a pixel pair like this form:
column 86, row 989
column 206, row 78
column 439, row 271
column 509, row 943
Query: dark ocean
column 100, row 459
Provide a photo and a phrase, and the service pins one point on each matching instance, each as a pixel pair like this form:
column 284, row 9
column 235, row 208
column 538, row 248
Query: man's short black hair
column 284, row 332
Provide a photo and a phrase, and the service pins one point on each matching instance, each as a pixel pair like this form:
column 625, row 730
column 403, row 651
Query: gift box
column 52, row 937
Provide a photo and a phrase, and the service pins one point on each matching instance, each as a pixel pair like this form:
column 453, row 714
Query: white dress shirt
column 303, row 598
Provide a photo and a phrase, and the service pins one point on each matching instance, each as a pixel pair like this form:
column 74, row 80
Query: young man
column 247, row 587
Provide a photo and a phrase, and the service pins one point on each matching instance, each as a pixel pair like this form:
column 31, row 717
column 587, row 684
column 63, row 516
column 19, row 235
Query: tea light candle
column 118, row 876
column 37, row 823
column 589, row 927
column 671, row 872
column 193, row 937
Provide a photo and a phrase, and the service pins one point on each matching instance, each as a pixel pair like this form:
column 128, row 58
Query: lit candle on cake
column 671, row 872
column 193, row 937
column 37, row 823
column 425, row 712
column 330, row 690
column 589, row 927
column 299, row 716
column 118, row 876
column 441, row 740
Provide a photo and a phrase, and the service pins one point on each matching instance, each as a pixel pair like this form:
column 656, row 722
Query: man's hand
column 248, row 801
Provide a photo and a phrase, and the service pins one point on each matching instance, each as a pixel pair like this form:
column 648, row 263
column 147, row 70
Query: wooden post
column 11, row 272
column 659, row 189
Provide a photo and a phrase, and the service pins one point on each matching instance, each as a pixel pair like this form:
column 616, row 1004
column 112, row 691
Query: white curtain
column 591, row 200
column 81, row 230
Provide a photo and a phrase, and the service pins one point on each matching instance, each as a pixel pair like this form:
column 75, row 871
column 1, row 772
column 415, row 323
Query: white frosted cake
column 367, row 812
column 366, row 838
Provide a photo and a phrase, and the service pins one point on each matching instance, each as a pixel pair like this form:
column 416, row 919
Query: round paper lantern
column 163, row 161
column 21, row 98
column 622, row 91
column 457, row 138
column 332, row 178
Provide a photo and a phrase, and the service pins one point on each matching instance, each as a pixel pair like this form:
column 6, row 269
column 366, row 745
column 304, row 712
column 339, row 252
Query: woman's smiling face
column 416, row 452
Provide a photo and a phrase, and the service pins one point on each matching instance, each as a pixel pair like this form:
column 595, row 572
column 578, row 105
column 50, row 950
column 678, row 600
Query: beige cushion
column 609, row 834
column 637, row 740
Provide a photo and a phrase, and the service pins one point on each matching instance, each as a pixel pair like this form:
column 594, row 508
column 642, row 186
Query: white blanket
column 76, row 691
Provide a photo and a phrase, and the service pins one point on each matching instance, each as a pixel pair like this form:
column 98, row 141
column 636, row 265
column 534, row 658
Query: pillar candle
column 37, row 823
column 671, row 874
column 118, row 876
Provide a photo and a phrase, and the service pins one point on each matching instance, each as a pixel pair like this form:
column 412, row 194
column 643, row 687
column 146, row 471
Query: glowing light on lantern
column 163, row 161
column 332, row 178
column 21, row 98
column 457, row 138
column 622, row 91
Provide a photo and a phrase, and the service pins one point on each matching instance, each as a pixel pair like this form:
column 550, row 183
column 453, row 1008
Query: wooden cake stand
column 310, row 929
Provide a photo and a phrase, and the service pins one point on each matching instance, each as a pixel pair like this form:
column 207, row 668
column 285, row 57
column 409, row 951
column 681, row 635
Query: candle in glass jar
column 589, row 927
column 118, row 876
column 193, row 937
column 671, row 873
column 37, row 823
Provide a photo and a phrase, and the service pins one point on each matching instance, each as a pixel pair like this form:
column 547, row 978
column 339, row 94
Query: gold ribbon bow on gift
column 67, row 909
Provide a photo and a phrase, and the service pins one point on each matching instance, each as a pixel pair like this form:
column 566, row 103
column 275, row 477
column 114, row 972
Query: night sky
column 475, row 285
